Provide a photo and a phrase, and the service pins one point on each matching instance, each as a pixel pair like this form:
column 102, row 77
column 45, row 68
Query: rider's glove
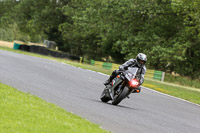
column 121, row 68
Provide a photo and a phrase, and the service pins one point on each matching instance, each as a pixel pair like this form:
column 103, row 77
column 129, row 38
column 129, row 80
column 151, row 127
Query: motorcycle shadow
column 120, row 106
column 110, row 104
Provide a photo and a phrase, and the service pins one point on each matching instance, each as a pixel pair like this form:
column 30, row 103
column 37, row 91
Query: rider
column 138, row 62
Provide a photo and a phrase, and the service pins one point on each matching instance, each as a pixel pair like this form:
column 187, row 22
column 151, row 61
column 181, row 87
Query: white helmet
column 141, row 59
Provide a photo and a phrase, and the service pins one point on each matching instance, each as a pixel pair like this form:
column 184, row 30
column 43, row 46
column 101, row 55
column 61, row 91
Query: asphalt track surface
column 78, row 91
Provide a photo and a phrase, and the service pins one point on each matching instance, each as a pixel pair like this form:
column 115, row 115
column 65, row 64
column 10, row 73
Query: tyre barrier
column 24, row 48
column 44, row 51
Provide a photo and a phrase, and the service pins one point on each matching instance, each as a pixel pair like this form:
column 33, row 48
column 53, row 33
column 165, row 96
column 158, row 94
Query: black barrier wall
column 45, row 51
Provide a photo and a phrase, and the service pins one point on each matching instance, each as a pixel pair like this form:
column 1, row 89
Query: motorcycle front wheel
column 120, row 96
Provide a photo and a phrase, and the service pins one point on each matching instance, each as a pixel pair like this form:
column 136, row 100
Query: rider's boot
column 112, row 76
column 107, row 82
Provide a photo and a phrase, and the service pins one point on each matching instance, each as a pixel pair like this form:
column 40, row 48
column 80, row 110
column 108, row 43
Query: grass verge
column 187, row 93
column 182, row 80
column 192, row 95
column 24, row 113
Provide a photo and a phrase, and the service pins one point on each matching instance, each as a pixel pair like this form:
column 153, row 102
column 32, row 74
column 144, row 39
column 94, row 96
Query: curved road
column 78, row 90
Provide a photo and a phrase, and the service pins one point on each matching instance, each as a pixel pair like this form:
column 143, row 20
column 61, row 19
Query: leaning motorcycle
column 121, row 86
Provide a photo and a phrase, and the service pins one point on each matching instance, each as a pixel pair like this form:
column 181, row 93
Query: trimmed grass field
column 24, row 113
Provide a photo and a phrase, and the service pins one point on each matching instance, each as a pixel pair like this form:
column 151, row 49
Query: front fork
column 111, row 88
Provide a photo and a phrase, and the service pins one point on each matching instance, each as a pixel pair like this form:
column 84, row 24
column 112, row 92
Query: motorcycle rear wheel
column 104, row 96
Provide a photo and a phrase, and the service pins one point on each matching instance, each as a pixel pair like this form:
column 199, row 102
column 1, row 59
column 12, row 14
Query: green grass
column 189, row 94
column 182, row 80
column 184, row 92
column 24, row 113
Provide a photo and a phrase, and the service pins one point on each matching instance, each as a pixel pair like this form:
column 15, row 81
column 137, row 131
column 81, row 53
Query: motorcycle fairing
column 118, row 81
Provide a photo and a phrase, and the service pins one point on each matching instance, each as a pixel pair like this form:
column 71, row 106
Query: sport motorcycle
column 121, row 86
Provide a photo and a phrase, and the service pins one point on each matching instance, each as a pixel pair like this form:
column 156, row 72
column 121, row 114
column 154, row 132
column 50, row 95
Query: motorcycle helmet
column 141, row 59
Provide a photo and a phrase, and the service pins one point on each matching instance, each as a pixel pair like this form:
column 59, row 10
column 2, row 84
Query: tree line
column 112, row 30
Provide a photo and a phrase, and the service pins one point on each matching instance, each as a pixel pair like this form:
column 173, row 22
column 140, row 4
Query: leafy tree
column 112, row 30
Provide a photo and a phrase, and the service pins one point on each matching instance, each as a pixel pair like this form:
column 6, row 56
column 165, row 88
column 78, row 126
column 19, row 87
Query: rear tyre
column 104, row 96
column 122, row 94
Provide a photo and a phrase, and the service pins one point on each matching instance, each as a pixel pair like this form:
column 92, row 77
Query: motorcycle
column 121, row 86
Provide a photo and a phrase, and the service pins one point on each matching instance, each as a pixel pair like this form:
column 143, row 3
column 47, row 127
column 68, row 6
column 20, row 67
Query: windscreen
column 131, row 72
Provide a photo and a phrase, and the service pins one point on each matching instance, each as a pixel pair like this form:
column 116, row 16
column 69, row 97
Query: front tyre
column 122, row 94
column 104, row 96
